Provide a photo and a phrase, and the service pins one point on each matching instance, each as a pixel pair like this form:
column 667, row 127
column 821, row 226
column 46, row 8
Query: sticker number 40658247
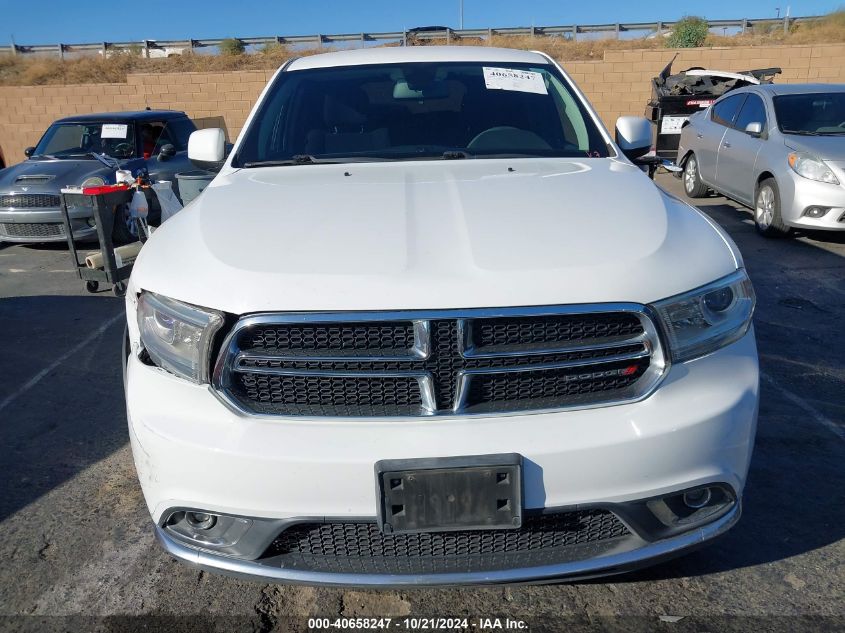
column 511, row 79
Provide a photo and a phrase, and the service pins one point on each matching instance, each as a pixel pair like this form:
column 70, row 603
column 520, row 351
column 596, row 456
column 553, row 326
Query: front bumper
column 698, row 428
column 616, row 559
column 45, row 225
column 798, row 193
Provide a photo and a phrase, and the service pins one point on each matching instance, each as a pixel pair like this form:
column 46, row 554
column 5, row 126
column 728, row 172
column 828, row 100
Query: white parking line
column 798, row 401
column 76, row 348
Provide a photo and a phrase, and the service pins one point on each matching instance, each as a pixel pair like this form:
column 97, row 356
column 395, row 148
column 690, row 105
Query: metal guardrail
column 447, row 34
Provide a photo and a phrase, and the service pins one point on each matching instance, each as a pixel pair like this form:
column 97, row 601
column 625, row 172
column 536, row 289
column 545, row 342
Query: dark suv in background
column 86, row 150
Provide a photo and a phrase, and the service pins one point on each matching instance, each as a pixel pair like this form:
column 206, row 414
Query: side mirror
column 29, row 151
column 207, row 148
column 755, row 128
column 633, row 136
column 166, row 152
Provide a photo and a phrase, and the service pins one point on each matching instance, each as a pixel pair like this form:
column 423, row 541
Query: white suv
column 430, row 324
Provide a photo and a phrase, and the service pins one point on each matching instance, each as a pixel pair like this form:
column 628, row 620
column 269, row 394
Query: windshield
column 75, row 140
column 419, row 110
column 815, row 114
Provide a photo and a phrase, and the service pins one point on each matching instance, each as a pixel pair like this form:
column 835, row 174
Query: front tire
column 693, row 186
column 767, row 216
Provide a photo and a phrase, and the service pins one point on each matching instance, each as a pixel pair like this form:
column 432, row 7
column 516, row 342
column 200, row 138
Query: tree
column 232, row 46
column 689, row 32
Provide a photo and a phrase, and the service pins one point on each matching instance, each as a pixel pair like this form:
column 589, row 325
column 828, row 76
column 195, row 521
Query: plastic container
column 192, row 183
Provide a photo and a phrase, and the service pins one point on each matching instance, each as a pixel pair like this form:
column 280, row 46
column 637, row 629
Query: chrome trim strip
column 564, row 364
column 470, row 351
column 611, row 563
column 646, row 385
column 238, row 366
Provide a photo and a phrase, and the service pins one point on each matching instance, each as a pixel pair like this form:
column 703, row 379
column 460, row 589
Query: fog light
column 815, row 212
column 207, row 529
column 200, row 520
column 697, row 498
column 91, row 222
column 690, row 508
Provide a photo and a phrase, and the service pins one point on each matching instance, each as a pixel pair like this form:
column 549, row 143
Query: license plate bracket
column 444, row 494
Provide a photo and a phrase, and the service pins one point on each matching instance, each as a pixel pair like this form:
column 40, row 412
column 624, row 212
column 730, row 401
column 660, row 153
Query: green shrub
column 232, row 46
column 689, row 32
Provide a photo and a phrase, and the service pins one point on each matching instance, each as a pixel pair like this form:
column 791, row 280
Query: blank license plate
column 482, row 492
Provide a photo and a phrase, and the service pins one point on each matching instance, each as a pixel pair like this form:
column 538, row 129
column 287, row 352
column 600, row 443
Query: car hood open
column 428, row 235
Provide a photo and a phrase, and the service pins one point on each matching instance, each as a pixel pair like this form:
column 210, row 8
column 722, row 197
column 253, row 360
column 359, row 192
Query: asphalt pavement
column 79, row 554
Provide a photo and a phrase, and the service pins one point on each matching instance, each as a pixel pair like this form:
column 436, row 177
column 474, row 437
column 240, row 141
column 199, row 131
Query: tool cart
column 108, row 203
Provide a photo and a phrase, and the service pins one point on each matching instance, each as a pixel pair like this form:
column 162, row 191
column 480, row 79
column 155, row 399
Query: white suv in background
column 429, row 324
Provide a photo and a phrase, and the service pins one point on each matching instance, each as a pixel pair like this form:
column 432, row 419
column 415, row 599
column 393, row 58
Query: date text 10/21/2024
column 417, row 624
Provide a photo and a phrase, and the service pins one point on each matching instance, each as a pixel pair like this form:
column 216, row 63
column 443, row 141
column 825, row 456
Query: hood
column 62, row 173
column 429, row 235
column 825, row 147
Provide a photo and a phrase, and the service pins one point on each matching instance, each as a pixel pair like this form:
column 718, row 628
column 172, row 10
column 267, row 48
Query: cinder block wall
column 617, row 84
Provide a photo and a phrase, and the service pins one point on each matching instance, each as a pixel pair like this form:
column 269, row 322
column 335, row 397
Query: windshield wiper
column 102, row 158
column 456, row 154
column 802, row 132
column 50, row 156
column 308, row 159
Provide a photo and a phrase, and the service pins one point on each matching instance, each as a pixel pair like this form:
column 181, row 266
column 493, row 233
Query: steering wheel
column 507, row 136
column 123, row 149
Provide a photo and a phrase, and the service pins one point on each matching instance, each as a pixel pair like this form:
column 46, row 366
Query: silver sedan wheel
column 690, row 174
column 764, row 211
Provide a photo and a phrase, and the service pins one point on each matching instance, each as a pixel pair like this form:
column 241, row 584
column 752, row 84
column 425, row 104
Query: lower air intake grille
column 361, row 548
column 32, row 229
column 29, row 201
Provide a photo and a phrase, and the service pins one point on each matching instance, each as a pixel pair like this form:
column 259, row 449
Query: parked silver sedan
column 777, row 148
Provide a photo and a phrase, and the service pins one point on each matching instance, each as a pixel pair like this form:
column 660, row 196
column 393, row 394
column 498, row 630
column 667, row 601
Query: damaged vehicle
column 86, row 150
column 430, row 324
column 675, row 97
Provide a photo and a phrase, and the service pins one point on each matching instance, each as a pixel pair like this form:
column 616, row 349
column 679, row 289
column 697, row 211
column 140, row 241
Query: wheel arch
column 683, row 160
column 763, row 175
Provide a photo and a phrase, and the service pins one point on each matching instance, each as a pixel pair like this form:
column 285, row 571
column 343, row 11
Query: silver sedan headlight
column 811, row 167
column 177, row 336
column 707, row 318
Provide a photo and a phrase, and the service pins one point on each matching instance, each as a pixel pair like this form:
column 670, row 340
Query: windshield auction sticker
column 517, row 80
column 114, row 130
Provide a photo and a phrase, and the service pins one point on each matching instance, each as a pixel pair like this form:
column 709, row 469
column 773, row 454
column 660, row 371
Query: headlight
column 703, row 320
column 811, row 167
column 93, row 181
column 177, row 336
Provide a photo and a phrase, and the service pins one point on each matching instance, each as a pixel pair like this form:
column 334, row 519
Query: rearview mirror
column 166, row 152
column 633, row 136
column 207, row 148
column 755, row 128
column 29, row 151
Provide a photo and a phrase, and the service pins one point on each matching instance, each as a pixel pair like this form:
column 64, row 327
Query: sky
column 69, row 21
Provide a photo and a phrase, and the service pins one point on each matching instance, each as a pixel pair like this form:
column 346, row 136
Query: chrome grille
column 444, row 363
column 29, row 201
column 32, row 229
